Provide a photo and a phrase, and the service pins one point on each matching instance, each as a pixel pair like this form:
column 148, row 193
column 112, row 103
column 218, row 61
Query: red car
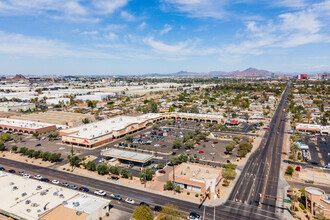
column 201, row 152
column 215, row 142
column 162, row 171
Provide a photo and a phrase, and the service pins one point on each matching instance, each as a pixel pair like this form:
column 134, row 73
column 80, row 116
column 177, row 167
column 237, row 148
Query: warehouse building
column 195, row 117
column 25, row 126
column 98, row 133
column 16, row 106
column 197, row 178
column 65, row 119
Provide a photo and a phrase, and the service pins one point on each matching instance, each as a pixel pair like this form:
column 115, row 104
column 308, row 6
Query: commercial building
column 31, row 199
column 100, row 96
column 317, row 202
column 16, row 106
column 55, row 117
column 25, row 126
column 79, row 207
column 195, row 117
column 302, row 77
column 324, row 130
column 128, row 157
column 58, row 101
column 197, row 178
column 98, row 133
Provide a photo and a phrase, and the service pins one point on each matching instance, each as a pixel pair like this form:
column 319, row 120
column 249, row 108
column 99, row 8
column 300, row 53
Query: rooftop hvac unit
column 183, row 173
column 199, row 170
column 188, row 168
column 207, row 171
column 95, row 126
column 85, row 129
column 75, row 204
column 193, row 174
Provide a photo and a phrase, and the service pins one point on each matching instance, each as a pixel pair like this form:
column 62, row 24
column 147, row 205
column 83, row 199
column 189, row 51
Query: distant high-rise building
column 302, row 77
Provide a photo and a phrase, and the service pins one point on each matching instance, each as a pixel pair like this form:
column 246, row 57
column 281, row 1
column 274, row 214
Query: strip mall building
column 98, row 133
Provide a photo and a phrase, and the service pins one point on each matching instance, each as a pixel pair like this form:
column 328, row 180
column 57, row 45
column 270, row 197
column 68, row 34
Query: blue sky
column 163, row 36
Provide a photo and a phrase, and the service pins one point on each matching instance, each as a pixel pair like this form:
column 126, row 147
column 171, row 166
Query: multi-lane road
column 259, row 176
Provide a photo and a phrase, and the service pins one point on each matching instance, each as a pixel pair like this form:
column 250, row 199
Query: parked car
column 44, row 180
column 73, row 187
column 130, row 201
column 194, row 216
column 100, row 193
column 55, row 182
column 38, row 145
column 162, row 171
column 21, row 172
column 26, row 175
column 158, row 208
column 201, row 152
column 83, row 189
column 38, row 177
column 1, row 168
column 117, row 197
column 65, row 184
column 11, row 171
column 143, row 203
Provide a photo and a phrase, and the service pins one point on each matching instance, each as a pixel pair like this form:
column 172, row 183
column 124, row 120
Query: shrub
column 196, row 195
column 14, row 148
column 302, row 206
column 289, row 170
column 296, row 209
column 188, row 193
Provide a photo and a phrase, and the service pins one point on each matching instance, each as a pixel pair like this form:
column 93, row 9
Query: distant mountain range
column 237, row 73
column 18, row 77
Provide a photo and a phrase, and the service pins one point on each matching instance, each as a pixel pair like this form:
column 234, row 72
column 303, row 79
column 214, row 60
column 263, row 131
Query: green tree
column 142, row 212
column 229, row 148
column 289, row 170
column 177, row 144
column 189, row 145
column 102, row 169
column 236, row 139
column 90, row 165
column 74, row 160
column 171, row 109
column 5, row 137
column 85, row 121
column 36, row 134
column 170, row 212
column 229, row 173
column 14, row 148
column 149, row 173
column 114, row 170
column 168, row 185
column 124, row 173
column 37, row 154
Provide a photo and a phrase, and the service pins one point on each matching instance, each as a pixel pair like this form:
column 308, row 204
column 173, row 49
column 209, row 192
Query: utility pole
column 145, row 177
column 214, row 214
column 173, row 179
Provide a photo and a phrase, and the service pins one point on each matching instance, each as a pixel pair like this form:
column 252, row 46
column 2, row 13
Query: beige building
column 98, row 133
column 197, row 178
column 16, row 106
column 317, row 202
column 69, row 119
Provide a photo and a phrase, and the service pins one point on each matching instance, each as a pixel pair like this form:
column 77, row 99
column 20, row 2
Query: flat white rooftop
column 14, row 104
column 86, row 203
column 97, row 129
column 127, row 155
column 211, row 116
column 315, row 191
column 23, row 123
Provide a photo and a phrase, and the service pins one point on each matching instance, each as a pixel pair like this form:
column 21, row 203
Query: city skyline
column 134, row 37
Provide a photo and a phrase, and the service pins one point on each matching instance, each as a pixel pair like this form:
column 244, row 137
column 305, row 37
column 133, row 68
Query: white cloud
column 199, row 8
column 69, row 8
column 111, row 36
column 160, row 46
column 167, row 28
column 109, row 6
column 289, row 3
column 114, row 27
column 127, row 16
column 288, row 30
column 90, row 32
column 21, row 45
column 142, row 26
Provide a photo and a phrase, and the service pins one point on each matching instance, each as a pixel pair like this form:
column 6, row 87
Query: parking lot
column 320, row 153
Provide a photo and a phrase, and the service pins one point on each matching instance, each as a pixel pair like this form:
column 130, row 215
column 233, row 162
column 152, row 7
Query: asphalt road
column 261, row 173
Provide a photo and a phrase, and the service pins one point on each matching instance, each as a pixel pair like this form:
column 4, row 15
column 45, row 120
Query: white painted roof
column 23, row 123
column 86, row 203
column 128, row 155
column 93, row 130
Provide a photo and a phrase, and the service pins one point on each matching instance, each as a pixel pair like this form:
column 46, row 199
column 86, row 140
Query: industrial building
column 31, row 199
column 99, row 96
column 197, row 178
column 98, row 133
column 317, row 202
column 25, row 126
column 16, row 106
column 55, row 117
